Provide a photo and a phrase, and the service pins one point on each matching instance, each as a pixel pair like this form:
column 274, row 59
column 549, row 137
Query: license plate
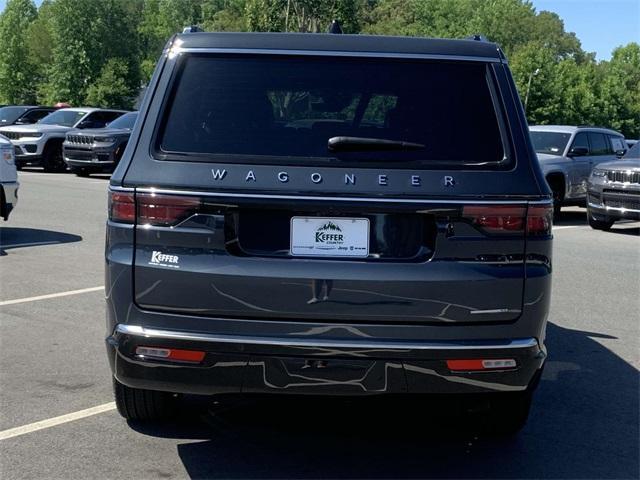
column 330, row 237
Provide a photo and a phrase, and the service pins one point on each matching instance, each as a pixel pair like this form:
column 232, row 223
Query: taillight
column 151, row 208
column 539, row 220
column 509, row 219
column 497, row 218
column 165, row 210
column 122, row 207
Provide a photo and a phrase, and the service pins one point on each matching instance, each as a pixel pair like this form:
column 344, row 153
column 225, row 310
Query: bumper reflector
column 159, row 353
column 479, row 364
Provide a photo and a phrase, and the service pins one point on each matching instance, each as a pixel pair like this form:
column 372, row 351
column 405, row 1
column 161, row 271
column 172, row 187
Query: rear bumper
column 253, row 364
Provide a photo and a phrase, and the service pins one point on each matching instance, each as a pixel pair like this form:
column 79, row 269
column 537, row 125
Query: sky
column 601, row 25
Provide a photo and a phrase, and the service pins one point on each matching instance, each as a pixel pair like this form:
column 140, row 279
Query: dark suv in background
column 23, row 114
column 295, row 214
column 98, row 150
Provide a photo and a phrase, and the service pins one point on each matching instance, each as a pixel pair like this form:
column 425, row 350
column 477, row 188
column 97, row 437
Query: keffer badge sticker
column 330, row 237
column 164, row 260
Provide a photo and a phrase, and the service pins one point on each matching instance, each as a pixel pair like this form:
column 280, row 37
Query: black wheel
column 557, row 202
column 556, row 184
column 508, row 413
column 52, row 160
column 598, row 224
column 143, row 405
column 81, row 172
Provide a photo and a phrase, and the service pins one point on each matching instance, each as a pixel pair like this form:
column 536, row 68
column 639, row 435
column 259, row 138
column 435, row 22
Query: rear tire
column 599, row 224
column 556, row 184
column 52, row 160
column 81, row 172
column 143, row 405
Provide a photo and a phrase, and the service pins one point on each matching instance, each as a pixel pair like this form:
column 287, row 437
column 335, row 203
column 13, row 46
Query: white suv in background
column 8, row 179
column 567, row 154
column 40, row 144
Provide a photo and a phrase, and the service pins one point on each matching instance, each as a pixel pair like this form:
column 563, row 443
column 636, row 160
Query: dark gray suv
column 295, row 214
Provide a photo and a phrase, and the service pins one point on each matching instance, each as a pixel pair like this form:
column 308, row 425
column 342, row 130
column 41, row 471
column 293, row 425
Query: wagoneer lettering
column 320, row 216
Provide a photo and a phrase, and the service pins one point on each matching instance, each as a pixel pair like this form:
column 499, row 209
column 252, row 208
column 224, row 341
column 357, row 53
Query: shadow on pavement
column 571, row 218
column 12, row 237
column 625, row 229
column 584, row 424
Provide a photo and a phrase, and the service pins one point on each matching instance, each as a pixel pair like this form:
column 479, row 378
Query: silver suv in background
column 614, row 191
column 567, row 154
column 40, row 144
column 8, row 179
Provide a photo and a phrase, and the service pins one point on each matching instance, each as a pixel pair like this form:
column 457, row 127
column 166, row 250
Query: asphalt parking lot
column 584, row 423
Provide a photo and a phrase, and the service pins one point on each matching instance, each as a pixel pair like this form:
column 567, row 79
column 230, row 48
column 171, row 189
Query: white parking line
column 51, row 295
column 562, row 227
column 52, row 422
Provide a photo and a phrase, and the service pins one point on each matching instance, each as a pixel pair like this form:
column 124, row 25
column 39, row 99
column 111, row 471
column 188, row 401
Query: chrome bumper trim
column 139, row 331
column 613, row 209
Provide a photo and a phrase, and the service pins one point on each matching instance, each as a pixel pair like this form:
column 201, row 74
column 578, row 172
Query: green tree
column 302, row 15
column 17, row 72
column 619, row 81
column 160, row 19
column 86, row 34
column 111, row 88
column 224, row 16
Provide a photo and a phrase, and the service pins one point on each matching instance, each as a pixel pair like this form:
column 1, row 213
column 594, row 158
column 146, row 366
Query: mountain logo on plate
column 330, row 234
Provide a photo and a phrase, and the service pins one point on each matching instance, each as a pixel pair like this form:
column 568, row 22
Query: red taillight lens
column 497, row 218
column 539, row 220
column 165, row 210
column 504, row 219
column 122, row 207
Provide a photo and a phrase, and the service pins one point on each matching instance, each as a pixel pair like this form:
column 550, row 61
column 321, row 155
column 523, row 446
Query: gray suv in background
column 289, row 218
column 614, row 191
column 568, row 154
column 98, row 150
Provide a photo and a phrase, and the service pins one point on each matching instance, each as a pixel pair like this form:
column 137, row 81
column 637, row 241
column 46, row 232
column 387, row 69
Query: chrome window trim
column 140, row 331
column 174, row 51
column 168, row 191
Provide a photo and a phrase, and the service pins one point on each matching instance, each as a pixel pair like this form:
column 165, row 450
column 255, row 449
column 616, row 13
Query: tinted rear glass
column 276, row 109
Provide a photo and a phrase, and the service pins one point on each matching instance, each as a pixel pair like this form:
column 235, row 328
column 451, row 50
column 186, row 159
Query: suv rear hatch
column 328, row 189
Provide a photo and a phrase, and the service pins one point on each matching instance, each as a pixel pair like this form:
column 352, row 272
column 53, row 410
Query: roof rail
column 192, row 29
column 477, row 37
column 593, row 126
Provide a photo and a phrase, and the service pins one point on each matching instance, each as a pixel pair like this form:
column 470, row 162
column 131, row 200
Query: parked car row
column 61, row 138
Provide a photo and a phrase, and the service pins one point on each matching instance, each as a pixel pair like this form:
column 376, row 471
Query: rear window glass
column 276, row 109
